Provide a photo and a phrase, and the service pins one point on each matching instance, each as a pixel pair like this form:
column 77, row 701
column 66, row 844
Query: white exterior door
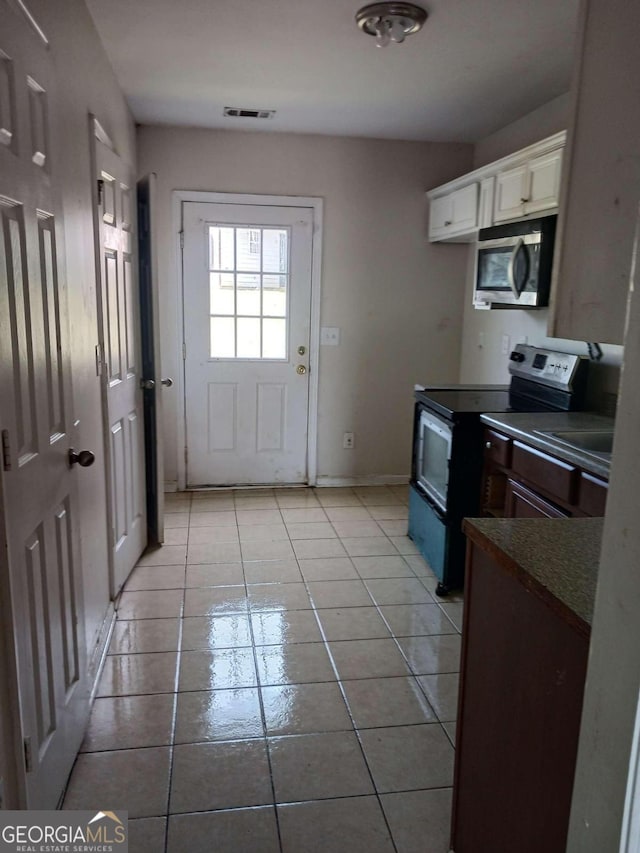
column 247, row 309
column 36, row 421
column 121, row 375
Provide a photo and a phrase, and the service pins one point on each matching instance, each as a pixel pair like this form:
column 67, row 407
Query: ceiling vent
column 241, row 112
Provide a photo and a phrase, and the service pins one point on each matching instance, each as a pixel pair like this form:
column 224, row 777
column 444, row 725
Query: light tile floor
column 281, row 677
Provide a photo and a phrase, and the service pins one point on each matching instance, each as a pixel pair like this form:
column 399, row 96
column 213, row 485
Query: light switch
column 329, row 336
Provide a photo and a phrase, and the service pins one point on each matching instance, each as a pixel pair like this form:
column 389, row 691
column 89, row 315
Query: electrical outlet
column 348, row 440
column 505, row 344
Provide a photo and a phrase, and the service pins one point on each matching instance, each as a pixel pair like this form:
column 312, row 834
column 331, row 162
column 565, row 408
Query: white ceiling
column 476, row 65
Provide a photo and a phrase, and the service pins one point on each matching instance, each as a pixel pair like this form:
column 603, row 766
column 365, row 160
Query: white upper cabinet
column 601, row 185
column 531, row 187
column 525, row 183
column 454, row 214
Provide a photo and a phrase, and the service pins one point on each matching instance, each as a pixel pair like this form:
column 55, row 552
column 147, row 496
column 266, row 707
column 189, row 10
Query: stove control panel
column 557, row 369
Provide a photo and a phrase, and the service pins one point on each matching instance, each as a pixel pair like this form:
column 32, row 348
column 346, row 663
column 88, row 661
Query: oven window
column 433, row 458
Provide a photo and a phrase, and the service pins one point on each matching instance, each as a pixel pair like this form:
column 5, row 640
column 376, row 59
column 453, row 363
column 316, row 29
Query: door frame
column 178, row 197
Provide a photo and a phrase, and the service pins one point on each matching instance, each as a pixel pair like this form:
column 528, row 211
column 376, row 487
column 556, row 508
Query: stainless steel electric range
column 447, row 459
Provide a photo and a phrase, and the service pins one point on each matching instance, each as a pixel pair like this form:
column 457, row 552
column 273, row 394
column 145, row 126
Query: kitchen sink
column 598, row 442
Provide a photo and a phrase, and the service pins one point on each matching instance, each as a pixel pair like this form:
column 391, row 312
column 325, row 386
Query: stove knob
column 517, row 356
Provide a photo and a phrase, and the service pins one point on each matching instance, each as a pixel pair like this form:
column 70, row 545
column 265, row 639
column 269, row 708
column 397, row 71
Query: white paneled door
column 120, row 362
column 36, row 422
column 247, row 308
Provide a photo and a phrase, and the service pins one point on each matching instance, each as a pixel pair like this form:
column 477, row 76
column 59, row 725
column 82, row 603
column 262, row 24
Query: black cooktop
column 458, row 402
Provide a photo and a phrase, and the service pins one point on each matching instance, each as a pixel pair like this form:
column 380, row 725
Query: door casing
column 316, row 204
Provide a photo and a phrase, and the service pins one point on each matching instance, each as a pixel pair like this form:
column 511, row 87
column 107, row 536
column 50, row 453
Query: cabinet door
column 512, row 188
column 454, row 215
column 465, row 208
column 440, row 216
column 523, row 503
column 544, row 182
column 601, row 183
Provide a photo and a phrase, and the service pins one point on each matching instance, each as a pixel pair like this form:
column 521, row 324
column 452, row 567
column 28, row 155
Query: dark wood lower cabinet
column 522, row 682
column 521, row 502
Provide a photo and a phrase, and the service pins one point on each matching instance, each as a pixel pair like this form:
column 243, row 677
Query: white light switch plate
column 329, row 336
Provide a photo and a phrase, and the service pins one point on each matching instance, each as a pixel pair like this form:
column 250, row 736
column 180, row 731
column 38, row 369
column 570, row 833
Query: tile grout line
column 353, row 723
column 176, row 685
column 262, row 711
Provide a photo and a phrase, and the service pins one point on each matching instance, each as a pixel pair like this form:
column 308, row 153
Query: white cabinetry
column 601, row 188
column 520, row 185
column 530, row 187
column 454, row 214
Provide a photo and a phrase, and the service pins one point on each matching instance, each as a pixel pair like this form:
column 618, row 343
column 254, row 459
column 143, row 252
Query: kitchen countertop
column 522, row 426
column 556, row 559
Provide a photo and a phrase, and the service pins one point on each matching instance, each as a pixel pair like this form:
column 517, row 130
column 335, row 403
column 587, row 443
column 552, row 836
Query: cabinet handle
column 488, row 445
column 524, row 200
column 447, row 222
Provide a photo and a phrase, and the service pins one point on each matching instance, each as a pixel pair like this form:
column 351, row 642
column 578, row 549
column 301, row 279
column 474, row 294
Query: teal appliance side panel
column 428, row 531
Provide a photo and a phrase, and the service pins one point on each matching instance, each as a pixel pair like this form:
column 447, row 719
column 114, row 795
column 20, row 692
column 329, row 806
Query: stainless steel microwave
column 513, row 264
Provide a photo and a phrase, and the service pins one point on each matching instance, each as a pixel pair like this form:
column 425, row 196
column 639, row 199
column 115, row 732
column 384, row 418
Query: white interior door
column 36, row 421
column 247, row 307
column 121, row 374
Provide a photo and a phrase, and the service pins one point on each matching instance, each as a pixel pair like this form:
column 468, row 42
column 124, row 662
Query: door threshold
column 244, row 487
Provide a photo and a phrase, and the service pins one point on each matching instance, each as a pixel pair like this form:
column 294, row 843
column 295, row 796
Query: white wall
column 85, row 83
column 482, row 359
column 397, row 299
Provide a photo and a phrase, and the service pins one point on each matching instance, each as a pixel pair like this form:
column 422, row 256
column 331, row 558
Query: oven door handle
column 513, row 284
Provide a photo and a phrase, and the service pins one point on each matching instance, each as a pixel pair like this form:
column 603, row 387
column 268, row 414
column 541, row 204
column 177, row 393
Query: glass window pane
column 220, row 248
column 274, row 338
column 276, row 250
column 249, row 294
column 274, row 295
column 221, row 286
column 248, row 248
column 222, row 337
column 248, row 337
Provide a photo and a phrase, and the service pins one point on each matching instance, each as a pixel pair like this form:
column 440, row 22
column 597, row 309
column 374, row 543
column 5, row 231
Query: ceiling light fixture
column 390, row 21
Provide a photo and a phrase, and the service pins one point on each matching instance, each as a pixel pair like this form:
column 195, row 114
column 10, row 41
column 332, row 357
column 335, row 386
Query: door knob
column 301, row 369
column 147, row 384
column 84, row 458
column 168, row 382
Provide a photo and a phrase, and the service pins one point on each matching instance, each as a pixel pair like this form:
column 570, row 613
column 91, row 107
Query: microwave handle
column 513, row 284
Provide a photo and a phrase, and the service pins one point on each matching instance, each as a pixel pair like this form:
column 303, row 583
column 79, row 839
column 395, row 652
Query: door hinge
column 100, row 191
column 182, row 239
column 28, row 755
column 186, row 455
column 184, row 352
column 6, row 450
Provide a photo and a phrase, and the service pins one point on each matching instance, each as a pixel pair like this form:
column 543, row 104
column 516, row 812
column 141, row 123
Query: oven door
column 432, row 457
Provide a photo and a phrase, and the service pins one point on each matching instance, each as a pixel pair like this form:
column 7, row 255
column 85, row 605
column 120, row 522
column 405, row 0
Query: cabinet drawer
column 557, row 478
column 497, row 448
column 592, row 497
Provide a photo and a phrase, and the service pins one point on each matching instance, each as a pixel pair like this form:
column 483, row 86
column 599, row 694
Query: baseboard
column 100, row 649
column 170, row 486
column 368, row 480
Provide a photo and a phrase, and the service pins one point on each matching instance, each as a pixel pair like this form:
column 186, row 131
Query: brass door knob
column 301, row 369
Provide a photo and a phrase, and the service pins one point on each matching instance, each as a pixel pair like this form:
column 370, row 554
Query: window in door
column 249, row 292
